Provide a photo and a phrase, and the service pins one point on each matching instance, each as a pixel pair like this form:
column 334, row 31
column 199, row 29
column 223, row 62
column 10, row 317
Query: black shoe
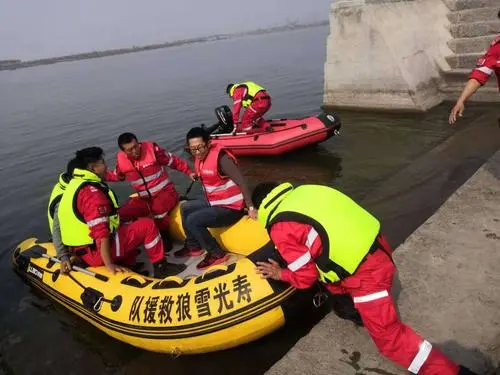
column 137, row 267
column 343, row 307
column 164, row 269
column 167, row 241
column 465, row 371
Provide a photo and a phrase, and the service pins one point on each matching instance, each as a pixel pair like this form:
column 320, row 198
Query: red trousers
column 370, row 288
column 253, row 114
column 158, row 208
column 127, row 239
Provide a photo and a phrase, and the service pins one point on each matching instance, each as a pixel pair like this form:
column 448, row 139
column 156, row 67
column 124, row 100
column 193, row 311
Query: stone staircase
column 473, row 25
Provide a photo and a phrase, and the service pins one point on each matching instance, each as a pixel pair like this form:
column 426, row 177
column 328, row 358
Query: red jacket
column 220, row 190
column 164, row 158
column 95, row 207
column 487, row 64
column 238, row 95
column 299, row 245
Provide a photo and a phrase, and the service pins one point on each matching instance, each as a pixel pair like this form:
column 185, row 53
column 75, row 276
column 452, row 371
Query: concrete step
column 473, row 29
column 474, row 15
column 470, row 4
column 459, row 77
column 478, row 44
column 456, row 75
column 454, row 81
column 484, row 95
column 463, row 60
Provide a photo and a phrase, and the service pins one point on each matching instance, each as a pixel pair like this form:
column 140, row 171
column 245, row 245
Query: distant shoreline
column 20, row 64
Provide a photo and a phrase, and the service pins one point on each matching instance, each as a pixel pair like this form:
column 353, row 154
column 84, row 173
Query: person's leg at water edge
column 197, row 225
column 126, row 242
column 370, row 288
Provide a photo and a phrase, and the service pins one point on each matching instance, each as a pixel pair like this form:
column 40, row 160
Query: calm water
column 46, row 113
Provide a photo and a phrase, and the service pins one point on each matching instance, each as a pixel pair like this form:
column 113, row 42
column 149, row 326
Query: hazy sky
column 41, row 28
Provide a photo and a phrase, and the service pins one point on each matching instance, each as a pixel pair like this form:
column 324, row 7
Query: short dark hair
column 197, row 132
column 88, row 155
column 125, row 138
column 70, row 167
column 228, row 88
column 261, row 191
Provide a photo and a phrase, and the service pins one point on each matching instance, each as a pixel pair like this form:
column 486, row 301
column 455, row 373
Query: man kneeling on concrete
column 321, row 233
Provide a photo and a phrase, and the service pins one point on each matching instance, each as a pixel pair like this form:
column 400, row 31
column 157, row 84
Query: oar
column 184, row 197
column 74, row 268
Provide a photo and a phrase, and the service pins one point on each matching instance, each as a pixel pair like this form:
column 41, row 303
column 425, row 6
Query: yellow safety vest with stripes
column 347, row 231
column 252, row 90
column 55, row 197
column 74, row 230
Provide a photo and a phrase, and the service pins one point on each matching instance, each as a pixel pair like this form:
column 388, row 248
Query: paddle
column 38, row 254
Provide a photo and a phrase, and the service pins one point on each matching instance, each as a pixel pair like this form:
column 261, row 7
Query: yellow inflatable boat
column 194, row 312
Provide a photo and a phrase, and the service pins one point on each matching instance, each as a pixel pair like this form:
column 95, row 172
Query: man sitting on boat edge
column 90, row 223
column 226, row 195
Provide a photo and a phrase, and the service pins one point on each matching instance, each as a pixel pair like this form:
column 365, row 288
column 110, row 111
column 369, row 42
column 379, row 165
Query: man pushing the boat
column 322, row 233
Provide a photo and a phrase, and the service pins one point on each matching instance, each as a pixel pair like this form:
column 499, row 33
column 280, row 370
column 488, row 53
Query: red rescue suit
column 253, row 114
column 95, row 207
column 151, row 181
column 220, row 191
column 487, row 64
column 370, row 288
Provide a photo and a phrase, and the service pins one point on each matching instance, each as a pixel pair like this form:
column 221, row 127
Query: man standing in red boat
column 255, row 99
column 142, row 164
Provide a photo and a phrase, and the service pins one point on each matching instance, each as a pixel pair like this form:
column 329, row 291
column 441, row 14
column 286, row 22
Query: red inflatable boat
column 285, row 135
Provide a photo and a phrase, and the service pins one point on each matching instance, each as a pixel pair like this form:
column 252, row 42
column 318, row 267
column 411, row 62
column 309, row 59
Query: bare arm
column 61, row 250
column 469, row 89
column 231, row 170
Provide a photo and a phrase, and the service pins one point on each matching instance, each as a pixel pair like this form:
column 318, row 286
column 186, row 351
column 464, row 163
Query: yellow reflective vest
column 347, row 231
column 252, row 90
column 74, row 230
column 55, row 197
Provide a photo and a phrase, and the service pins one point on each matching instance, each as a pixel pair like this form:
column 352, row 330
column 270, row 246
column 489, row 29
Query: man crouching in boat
column 255, row 99
column 226, row 196
column 355, row 260
column 143, row 165
column 62, row 252
column 89, row 205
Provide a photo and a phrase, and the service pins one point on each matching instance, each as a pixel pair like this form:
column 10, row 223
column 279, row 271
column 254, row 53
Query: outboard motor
column 332, row 122
column 225, row 117
column 225, row 123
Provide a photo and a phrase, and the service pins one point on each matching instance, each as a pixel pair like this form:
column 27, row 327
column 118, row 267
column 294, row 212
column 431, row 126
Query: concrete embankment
column 450, row 291
column 406, row 54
